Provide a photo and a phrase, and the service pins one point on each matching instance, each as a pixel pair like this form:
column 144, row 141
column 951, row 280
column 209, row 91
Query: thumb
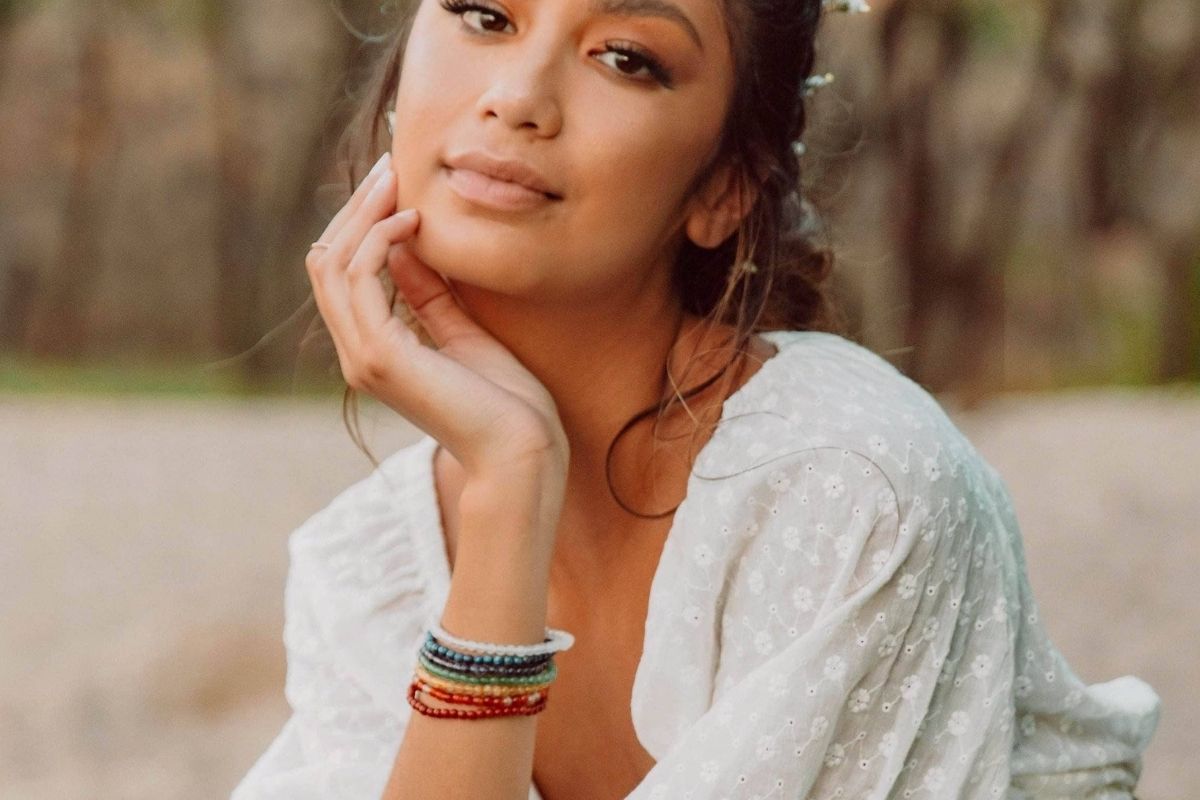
column 429, row 297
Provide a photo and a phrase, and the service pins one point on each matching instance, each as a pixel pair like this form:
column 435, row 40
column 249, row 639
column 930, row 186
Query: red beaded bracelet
column 506, row 701
column 458, row 713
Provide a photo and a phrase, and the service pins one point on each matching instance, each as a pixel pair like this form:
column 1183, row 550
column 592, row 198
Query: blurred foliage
column 995, row 27
column 203, row 16
column 1010, row 185
column 10, row 8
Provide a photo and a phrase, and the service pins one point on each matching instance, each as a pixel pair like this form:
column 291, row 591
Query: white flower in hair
column 849, row 6
column 815, row 82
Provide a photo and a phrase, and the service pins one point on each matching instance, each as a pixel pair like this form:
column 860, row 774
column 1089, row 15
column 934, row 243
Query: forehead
column 701, row 20
column 664, row 9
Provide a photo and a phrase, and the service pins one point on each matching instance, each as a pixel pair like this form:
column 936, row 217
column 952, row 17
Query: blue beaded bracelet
column 434, row 647
column 556, row 641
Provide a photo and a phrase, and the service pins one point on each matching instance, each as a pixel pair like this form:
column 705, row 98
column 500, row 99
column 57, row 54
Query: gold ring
column 319, row 245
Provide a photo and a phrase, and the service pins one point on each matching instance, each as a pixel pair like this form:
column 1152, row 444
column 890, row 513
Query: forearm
column 498, row 593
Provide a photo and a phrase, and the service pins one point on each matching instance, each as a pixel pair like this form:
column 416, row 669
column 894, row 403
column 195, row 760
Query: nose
column 523, row 92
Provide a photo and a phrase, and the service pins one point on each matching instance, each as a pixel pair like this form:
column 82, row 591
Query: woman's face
column 617, row 104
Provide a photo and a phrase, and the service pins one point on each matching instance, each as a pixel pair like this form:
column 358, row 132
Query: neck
column 603, row 364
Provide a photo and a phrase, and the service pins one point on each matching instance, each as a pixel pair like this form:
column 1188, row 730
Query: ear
column 718, row 208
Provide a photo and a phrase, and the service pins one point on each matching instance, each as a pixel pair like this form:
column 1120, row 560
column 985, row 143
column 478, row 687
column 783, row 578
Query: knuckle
column 363, row 265
column 375, row 239
column 374, row 368
column 312, row 264
column 354, row 377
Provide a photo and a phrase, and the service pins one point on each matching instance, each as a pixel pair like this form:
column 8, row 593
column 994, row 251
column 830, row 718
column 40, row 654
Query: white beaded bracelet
column 558, row 640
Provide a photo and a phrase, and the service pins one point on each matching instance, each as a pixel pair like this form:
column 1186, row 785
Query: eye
column 462, row 7
column 628, row 54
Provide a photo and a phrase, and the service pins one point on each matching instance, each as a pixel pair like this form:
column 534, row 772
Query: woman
column 585, row 205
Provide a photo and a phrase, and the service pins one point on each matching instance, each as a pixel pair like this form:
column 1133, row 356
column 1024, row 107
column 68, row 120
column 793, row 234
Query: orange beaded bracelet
column 416, row 688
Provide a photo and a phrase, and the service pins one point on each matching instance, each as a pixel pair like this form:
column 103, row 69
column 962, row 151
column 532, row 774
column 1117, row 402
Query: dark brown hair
column 770, row 274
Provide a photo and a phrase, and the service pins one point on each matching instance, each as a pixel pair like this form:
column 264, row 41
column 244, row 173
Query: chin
column 469, row 256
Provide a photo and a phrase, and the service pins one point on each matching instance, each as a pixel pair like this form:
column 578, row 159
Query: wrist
column 499, row 587
column 520, row 508
column 497, row 596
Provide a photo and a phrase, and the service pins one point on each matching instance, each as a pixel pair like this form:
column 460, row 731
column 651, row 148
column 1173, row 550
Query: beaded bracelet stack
column 486, row 679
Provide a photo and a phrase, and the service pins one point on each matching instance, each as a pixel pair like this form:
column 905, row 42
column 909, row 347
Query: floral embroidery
column 846, row 591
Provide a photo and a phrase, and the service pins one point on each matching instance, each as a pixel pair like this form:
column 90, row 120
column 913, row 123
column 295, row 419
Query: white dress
column 841, row 609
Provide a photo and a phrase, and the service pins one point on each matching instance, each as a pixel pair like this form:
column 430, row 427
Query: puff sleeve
column 356, row 601
column 833, row 629
column 1072, row 739
column 352, row 605
column 338, row 742
column 860, row 643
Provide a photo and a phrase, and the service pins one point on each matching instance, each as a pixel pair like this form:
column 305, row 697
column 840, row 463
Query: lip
column 485, row 190
column 507, row 170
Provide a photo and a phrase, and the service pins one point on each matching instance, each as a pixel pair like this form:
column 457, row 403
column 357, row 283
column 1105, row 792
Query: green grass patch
column 174, row 378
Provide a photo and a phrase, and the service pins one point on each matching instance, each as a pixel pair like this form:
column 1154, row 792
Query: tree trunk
column 58, row 328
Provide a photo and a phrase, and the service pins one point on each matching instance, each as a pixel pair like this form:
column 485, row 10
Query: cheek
column 418, row 142
column 638, row 167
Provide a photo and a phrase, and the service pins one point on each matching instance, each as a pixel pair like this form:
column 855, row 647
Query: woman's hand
column 471, row 393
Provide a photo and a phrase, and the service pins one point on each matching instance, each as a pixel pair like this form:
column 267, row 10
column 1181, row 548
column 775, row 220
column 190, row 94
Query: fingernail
column 407, row 214
column 383, row 184
column 379, row 164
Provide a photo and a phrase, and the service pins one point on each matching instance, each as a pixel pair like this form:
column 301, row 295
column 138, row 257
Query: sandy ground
column 143, row 555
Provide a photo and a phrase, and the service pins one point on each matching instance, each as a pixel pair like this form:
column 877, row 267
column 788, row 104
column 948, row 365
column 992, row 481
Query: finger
column 356, row 199
column 368, row 303
column 379, row 203
column 331, row 316
column 318, row 261
column 326, row 293
column 327, row 268
column 429, row 297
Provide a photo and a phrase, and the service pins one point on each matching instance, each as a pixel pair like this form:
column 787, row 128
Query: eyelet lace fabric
column 841, row 610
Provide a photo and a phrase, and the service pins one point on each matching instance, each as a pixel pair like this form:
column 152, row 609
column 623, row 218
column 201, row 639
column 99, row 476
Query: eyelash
column 659, row 73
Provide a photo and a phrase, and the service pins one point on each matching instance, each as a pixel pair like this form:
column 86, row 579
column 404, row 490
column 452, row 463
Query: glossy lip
column 509, row 170
column 489, row 192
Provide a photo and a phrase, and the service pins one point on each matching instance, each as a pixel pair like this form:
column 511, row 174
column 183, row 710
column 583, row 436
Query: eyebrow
column 648, row 8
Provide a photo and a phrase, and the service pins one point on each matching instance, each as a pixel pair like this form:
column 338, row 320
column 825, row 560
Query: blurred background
column 1013, row 190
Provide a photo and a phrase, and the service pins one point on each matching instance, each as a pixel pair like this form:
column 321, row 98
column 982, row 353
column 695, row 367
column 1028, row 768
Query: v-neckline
column 429, row 533
column 432, row 535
